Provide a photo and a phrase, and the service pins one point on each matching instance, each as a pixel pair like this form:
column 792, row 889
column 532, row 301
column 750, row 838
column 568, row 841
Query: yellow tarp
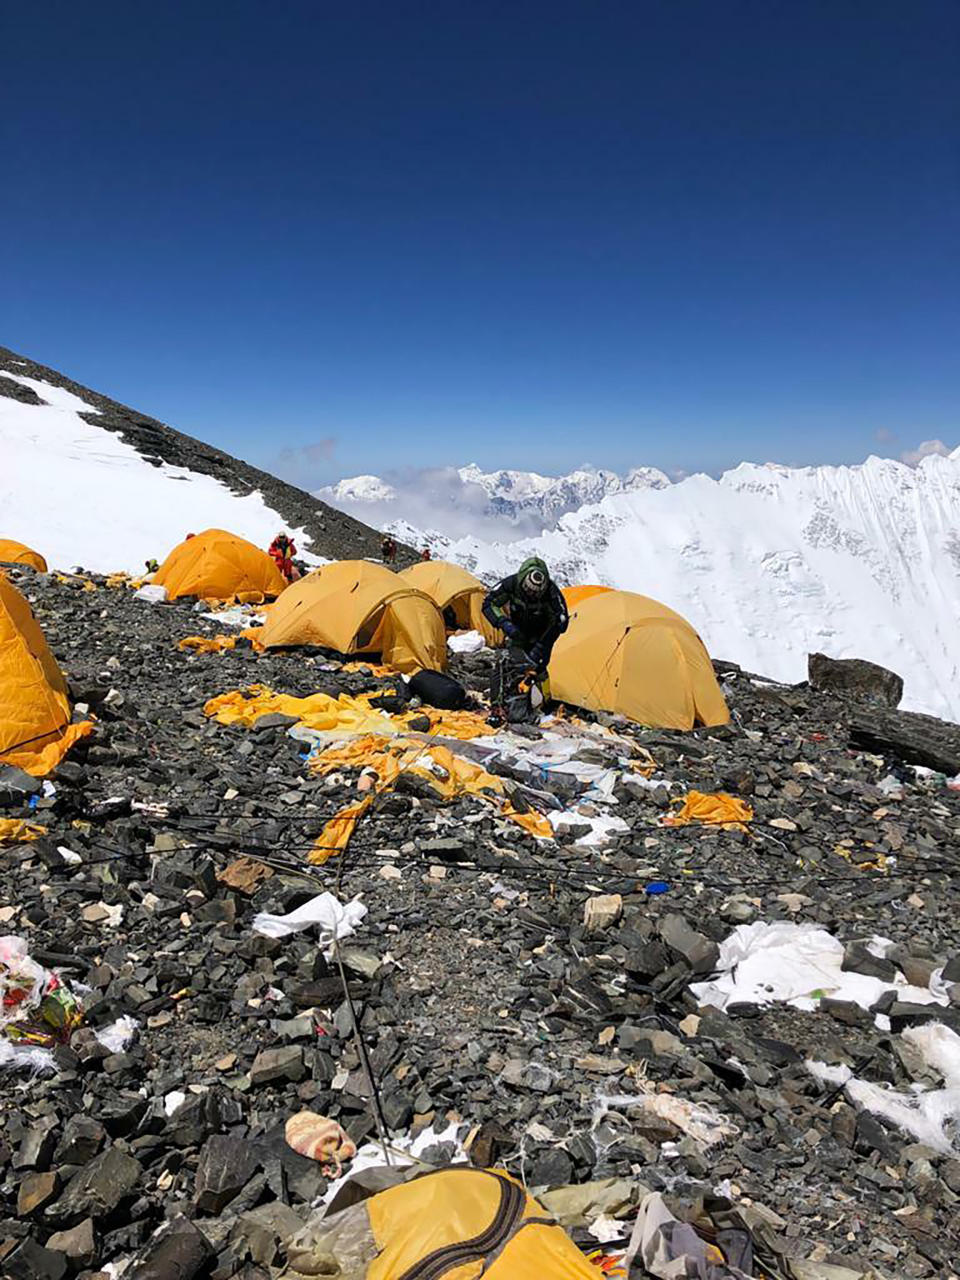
column 344, row 716
column 450, row 776
column 18, row 830
column 208, row 644
column 418, row 1219
column 353, row 606
column 218, row 565
column 35, row 728
column 711, row 809
column 458, row 595
column 12, row 552
column 628, row 654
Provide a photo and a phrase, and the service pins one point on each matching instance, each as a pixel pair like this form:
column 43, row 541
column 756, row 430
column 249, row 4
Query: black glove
column 508, row 629
column 536, row 656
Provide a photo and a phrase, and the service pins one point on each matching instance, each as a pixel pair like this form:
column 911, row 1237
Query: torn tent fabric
column 35, row 728
column 344, row 716
column 711, row 809
column 208, row 644
column 459, row 1222
column 18, row 831
column 448, row 774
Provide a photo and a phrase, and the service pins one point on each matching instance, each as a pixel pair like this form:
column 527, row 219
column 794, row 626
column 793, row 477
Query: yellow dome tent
column 628, row 654
column 35, row 728
column 355, row 606
column 455, row 589
column 573, row 595
column 12, row 552
column 216, row 565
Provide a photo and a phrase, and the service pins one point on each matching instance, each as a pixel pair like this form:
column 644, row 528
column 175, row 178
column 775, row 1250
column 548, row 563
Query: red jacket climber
column 282, row 549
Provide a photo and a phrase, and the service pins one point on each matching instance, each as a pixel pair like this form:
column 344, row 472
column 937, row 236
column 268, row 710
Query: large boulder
column 865, row 681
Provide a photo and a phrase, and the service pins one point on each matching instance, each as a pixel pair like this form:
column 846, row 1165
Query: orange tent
column 573, row 595
column 355, row 606
column 629, row 654
column 458, row 595
column 12, row 552
column 216, row 565
column 35, row 728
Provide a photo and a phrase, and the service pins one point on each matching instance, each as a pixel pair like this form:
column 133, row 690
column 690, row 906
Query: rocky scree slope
column 333, row 534
column 482, row 997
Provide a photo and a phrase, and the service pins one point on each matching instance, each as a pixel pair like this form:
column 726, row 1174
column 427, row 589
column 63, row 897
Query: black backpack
column 434, row 689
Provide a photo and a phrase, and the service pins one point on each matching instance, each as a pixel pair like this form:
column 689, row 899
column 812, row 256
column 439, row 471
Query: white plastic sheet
column 335, row 920
column 784, row 963
column 931, row 1116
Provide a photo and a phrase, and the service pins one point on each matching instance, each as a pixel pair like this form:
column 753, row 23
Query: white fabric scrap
column 26, row 1057
column 603, row 828
column 785, row 963
column 931, row 1116
column 334, row 918
column 151, row 594
column 466, row 642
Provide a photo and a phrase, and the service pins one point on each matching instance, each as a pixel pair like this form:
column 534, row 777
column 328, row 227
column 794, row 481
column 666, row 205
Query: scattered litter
column 37, row 1008
column 208, row 644
column 118, row 1035
column 319, row 1138
column 711, row 809
column 604, row 828
column 656, row 887
column 405, row 1150
column 244, row 874
column 336, row 920
column 19, row 831
column 700, row 1122
column 466, row 642
column 151, row 594
column 931, row 1116
column 797, row 964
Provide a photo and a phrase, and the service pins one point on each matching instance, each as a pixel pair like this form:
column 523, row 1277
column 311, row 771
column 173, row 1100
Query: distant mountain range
column 768, row 562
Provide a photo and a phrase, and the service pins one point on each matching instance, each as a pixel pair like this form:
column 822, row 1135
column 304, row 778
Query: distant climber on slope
column 530, row 610
column 283, row 549
column 425, row 553
column 388, row 549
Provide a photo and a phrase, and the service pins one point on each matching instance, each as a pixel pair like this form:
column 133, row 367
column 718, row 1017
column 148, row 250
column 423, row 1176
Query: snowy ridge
column 771, row 564
column 494, row 503
column 82, row 496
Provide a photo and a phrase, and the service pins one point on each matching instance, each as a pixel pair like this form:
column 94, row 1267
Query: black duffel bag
column 434, row 689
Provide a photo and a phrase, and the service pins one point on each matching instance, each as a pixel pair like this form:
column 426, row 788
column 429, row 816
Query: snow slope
column 771, row 564
column 81, row 496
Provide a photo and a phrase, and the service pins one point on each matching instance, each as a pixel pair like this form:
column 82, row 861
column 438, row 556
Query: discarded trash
column 208, row 644
column 244, row 874
column 117, row 1035
column 713, row 809
column 458, row 1217
column 18, row 830
column 656, row 887
column 36, row 1007
column 151, row 594
column 466, row 642
column 796, row 964
column 929, row 1115
column 335, row 919
column 321, row 1139
column 448, row 774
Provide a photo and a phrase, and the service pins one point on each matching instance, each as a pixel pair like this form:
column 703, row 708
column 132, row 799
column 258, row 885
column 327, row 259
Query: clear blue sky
column 677, row 233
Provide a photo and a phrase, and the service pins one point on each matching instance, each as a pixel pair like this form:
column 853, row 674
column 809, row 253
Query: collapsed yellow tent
column 626, row 653
column 217, row 565
column 458, row 1222
column 573, row 595
column 12, row 552
column 455, row 589
column 355, row 606
column 35, row 728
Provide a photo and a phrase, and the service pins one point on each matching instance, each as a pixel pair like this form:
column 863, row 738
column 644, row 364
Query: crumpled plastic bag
column 336, row 920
